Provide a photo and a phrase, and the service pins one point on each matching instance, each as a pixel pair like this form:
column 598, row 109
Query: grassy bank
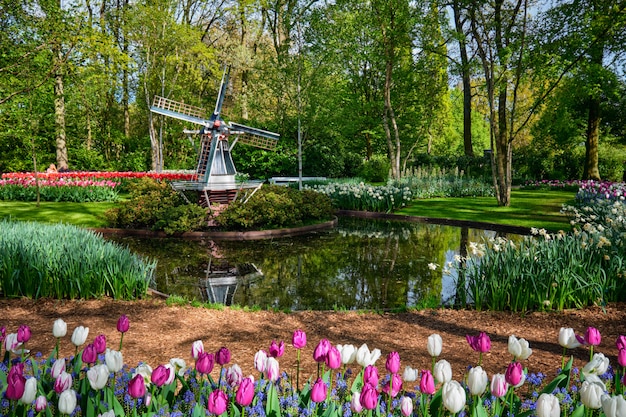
column 79, row 214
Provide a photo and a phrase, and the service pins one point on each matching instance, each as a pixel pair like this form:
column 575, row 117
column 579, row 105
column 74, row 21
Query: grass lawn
column 529, row 208
column 79, row 214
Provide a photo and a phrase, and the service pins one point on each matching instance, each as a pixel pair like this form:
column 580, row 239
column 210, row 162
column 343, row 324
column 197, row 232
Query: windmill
column 215, row 170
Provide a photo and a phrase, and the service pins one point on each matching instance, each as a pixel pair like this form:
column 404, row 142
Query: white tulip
column 453, row 396
column 98, row 376
column 434, row 345
column 197, row 348
column 591, row 394
column 260, row 361
column 567, row 338
column 348, row 353
column 519, row 348
column 11, row 343
column 30, row 391
column 477, row 381
column 365, row 358
column 114, row 360
column 180, row 366
column 79, row 337
column 613, row 406
column 109, row 413
column 442, row 371
column 67, row 401
column 59, row 328
column 57, row 368
column 598, row 365
column 145, row 371
column 548, row 406
column 410, row 374
column 172, row 373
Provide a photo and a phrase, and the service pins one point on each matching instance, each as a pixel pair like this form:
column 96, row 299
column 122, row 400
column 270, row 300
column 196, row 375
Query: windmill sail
column 254, row 137
column 178, row 110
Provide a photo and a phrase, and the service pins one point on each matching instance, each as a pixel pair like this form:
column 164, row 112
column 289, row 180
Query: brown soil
column 159, row 332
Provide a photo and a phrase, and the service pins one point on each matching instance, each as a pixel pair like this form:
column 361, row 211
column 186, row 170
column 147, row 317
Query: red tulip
column 245, row 392
column 16, row 382
column 160, row 375
column 393, row 362
column 137, row 386
column 123, row 324
column 298, row 340
column 369, row 397
column 205, row 363
column 427, row 383
column 222, row 356
column 319, row 391
column 218, row 402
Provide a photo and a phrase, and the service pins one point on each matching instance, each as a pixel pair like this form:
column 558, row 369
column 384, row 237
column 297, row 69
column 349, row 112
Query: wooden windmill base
column 206, row 195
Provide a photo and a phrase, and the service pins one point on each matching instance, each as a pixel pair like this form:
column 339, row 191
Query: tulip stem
column 297, row 372
column 121, row 340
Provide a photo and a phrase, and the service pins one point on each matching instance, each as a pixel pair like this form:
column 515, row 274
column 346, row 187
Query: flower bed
column 95, row 381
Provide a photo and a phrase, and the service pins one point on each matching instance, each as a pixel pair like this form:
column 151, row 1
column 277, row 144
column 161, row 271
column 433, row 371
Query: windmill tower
column 215, row 170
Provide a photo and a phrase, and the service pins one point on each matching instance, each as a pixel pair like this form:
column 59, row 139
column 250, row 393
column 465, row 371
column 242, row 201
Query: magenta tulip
column 369, row 397
column 100, row 343
column 16, row 382
column 160, row 375
column 277, row 349
column 123, row 324
column 319, row 391
column 592, row 336
column 23, row 333
column 205, row 363
column 63, row 382
column 89, row 354
column 393, row 362
column 137, row 386
column 370, row 375
column 396, row 385
column 3, row 333
column 499, row 386
column 621, row 357
column 218, row 402
column 620, row 343
column 298, row 340
column 427, row 382
column 321, row 350
column 41, row 403
column 333, row 358
column 245, row 392
column 514, row 373
column 480, row 343
column 222, row 356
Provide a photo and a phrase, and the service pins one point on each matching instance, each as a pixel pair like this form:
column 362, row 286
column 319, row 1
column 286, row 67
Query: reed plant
column 66, row 262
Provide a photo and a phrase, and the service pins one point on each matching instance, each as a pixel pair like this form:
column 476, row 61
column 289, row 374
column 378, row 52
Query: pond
column 361, row 264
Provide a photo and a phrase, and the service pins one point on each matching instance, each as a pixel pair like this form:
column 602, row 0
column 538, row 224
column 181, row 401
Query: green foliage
column 275, row 207
column 63, row 261
column 155, row 205
column 376, row 169
column 58, row 192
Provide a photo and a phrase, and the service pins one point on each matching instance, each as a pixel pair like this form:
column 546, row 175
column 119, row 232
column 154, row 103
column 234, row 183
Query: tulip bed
column 95, row 381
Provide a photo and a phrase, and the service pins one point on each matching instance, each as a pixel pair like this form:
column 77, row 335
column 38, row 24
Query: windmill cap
column 216, row 123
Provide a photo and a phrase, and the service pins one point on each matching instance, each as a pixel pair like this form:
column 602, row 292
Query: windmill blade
column 254, row 137
column 178, row 110
column 221, row 94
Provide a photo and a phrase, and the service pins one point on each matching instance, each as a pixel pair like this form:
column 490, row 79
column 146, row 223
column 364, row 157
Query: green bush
column 274, row 207
column 155, row 205
column 376, row 169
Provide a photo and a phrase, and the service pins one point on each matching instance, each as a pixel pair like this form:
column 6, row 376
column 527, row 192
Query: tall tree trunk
column 591, row 171
column 467, row 87
column 389, row 117
column 59, row 110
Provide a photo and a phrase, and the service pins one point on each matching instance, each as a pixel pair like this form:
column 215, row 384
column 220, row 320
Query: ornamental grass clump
column 95, row 381
column 62, row 261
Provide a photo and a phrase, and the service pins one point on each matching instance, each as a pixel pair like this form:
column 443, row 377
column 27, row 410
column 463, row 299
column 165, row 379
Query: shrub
column 376, row 169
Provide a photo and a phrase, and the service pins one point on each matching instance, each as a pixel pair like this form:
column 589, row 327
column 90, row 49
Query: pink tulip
column 355, row 402
column 621, row 357
column 234, row 375
column 272, row 369
column 205, row 363
column 3, row 333
column 321, row 350
column 100, row 343
column 40, row 403
column 427, row 383
column 319, row 391
column 514, row 373
column 620, row 343
column 333, row 358
column 137, row 386
column 57, row 368
column 480, row 343
column 406, row 406
column 197, row 348
column 218, row 402
column 260, row 361
column 160, row 375
column 245, row 392
column 222, row 356
column 16, row 382
column 393, row 362
column 89, row 354
column 298, row 340
column 23, row 333
column 499, row 386
column 369, row 397
column 123, row 324
column 63, row 382
column 396, row 385
column 277, row 349
column 370, row 375
column 592, row 336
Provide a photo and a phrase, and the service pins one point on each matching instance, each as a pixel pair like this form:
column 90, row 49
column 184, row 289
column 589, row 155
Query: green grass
column 78, row 214
column 529, row 208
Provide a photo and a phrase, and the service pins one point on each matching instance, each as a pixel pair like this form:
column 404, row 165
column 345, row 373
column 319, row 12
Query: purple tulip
column 137, row 386
column 369, row 397
column 218, row 402
column 123, row 324
column 592, row 336
column 205, row 363
column 100, row 343
column 396, row 385
column 245, row 392
column 298, row 340
column 480, row 343
column 427, row 382
column 16, row 382
column 3, row 333
column 620, row 343
column 160, row 375
column 319, row 391
column 393, row 362
column 23, row 333
column 222, row 356
column 89, row 354
column 370, row 376
column 277, row 349
column 333, row 358
column 514, row 373
column 321, row 350
column 621, row 357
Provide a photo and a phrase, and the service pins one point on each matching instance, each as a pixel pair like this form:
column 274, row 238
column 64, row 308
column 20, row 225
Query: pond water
column 361, row 264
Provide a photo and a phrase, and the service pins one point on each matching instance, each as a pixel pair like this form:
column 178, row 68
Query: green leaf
column 272, row 408
column 579, row 411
